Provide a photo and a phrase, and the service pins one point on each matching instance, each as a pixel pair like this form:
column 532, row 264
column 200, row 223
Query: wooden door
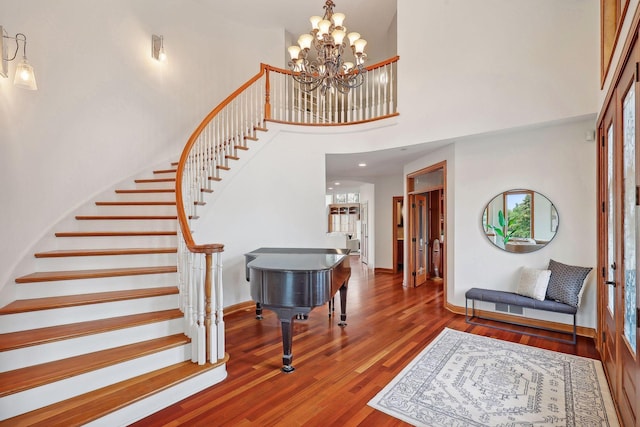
column 420, row 239
column 618, row 255
column 608, row 249
column 627, row 257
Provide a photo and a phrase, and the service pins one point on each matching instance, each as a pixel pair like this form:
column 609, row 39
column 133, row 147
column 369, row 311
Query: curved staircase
column 96, row 334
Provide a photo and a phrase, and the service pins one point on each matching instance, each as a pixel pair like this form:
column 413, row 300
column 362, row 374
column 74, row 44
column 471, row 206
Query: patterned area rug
column 462, row 379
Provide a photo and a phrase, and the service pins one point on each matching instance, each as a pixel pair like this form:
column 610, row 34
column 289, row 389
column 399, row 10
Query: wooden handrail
column 368, row 68
column 182, row 216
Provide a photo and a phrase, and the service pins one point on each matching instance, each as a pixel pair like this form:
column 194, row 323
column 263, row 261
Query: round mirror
column 520, row 221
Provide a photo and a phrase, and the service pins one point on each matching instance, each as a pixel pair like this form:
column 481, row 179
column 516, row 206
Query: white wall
column 386, row 188
column 468, row 67
column 104, row 109
column 554, row 160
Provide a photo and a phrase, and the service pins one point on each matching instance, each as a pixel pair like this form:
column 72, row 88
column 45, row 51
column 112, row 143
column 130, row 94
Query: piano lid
column 296, row 261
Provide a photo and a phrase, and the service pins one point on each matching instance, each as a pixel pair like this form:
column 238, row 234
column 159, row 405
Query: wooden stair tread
column 126, row 217
column 48, row 303
column 114, row 233
column 88, row 407
column 146, row 181
column 37, row 375
column 131, row 203
column 143, row 191
column 225, row 168
column 100, row 252
column 166, row 171
column 14, row 340
column 51, row 276
column 261, row 129
column 251, row 138
column 240, row 147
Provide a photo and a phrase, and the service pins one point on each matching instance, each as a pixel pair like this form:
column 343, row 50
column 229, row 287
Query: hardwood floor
column 338, row 370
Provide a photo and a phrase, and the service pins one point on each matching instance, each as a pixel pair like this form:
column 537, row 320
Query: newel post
column 267, row 92
column 207, row 303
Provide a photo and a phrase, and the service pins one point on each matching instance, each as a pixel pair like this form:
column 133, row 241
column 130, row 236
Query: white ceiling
column 371, row 18
column 344, row 168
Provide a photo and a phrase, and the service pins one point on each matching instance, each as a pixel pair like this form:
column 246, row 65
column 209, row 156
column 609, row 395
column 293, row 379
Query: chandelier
column 328, row 69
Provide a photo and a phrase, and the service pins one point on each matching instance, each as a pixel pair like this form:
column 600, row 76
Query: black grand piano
column 292, row 281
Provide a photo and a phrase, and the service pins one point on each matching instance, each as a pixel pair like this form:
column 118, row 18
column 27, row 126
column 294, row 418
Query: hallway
column 337, row 370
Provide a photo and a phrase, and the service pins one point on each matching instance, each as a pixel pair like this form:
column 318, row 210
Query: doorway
column 426, row 198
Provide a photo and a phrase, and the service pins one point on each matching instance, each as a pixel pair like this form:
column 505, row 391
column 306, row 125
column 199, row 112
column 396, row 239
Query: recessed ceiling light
column 330, row 188
column 362, row 165
column 336, row 183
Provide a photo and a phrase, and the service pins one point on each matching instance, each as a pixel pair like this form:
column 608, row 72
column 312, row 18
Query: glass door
column 420, row 238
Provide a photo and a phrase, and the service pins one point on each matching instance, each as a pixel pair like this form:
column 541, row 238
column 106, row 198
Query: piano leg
column 343, row 305
column 287, row 344
column 258, row 311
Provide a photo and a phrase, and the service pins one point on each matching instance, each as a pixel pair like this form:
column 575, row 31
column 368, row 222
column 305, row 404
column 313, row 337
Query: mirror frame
column 545, row 219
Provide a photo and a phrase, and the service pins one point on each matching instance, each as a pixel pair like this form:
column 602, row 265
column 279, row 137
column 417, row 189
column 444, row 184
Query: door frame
column 411, row 190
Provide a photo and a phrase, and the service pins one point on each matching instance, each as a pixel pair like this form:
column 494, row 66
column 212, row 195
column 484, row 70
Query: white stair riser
column 171, row 185
column 105, row 261
column 124, row 225
column 83, row 313
column 115, row 242
column 143, row 408
column 146, row 197
column 83, row 286
column 34, row 398
column 22, row 357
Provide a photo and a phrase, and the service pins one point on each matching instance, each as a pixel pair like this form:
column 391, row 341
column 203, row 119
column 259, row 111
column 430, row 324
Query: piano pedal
column 287, row 369
column 301, row 316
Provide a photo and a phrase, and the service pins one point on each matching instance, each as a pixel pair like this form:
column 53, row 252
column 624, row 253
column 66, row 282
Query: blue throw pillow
column 566, row 282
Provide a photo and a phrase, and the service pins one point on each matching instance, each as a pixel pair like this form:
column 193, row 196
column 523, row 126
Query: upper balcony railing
column 270, row 96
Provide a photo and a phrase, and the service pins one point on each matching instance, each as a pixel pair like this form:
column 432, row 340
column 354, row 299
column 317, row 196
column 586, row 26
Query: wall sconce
column 24, row 78
column 157, row 48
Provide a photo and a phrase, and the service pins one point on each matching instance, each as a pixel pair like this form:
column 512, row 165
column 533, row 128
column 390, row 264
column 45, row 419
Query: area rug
column 462, row 379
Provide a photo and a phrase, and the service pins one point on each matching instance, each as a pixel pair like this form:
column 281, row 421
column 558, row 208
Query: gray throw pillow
column 566, row 282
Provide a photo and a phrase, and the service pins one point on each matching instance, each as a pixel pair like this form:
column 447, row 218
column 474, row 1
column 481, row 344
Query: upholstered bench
column 514, row 299
column 556, row 289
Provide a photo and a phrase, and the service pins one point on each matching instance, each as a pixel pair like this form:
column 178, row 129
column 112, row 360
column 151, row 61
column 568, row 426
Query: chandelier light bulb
column 324, row 26
column 294, row 52
column 359, row 45
column 338, row 36
column 353, row 37
column 347, row 66
column 314, row 21
column 305, row 41
column 338, row 19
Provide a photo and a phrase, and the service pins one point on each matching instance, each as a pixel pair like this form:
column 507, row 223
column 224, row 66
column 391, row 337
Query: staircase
column 99, row 334
column 96, row 334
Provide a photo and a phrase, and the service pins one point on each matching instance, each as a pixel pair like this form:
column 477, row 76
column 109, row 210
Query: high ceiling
column 371, row 18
